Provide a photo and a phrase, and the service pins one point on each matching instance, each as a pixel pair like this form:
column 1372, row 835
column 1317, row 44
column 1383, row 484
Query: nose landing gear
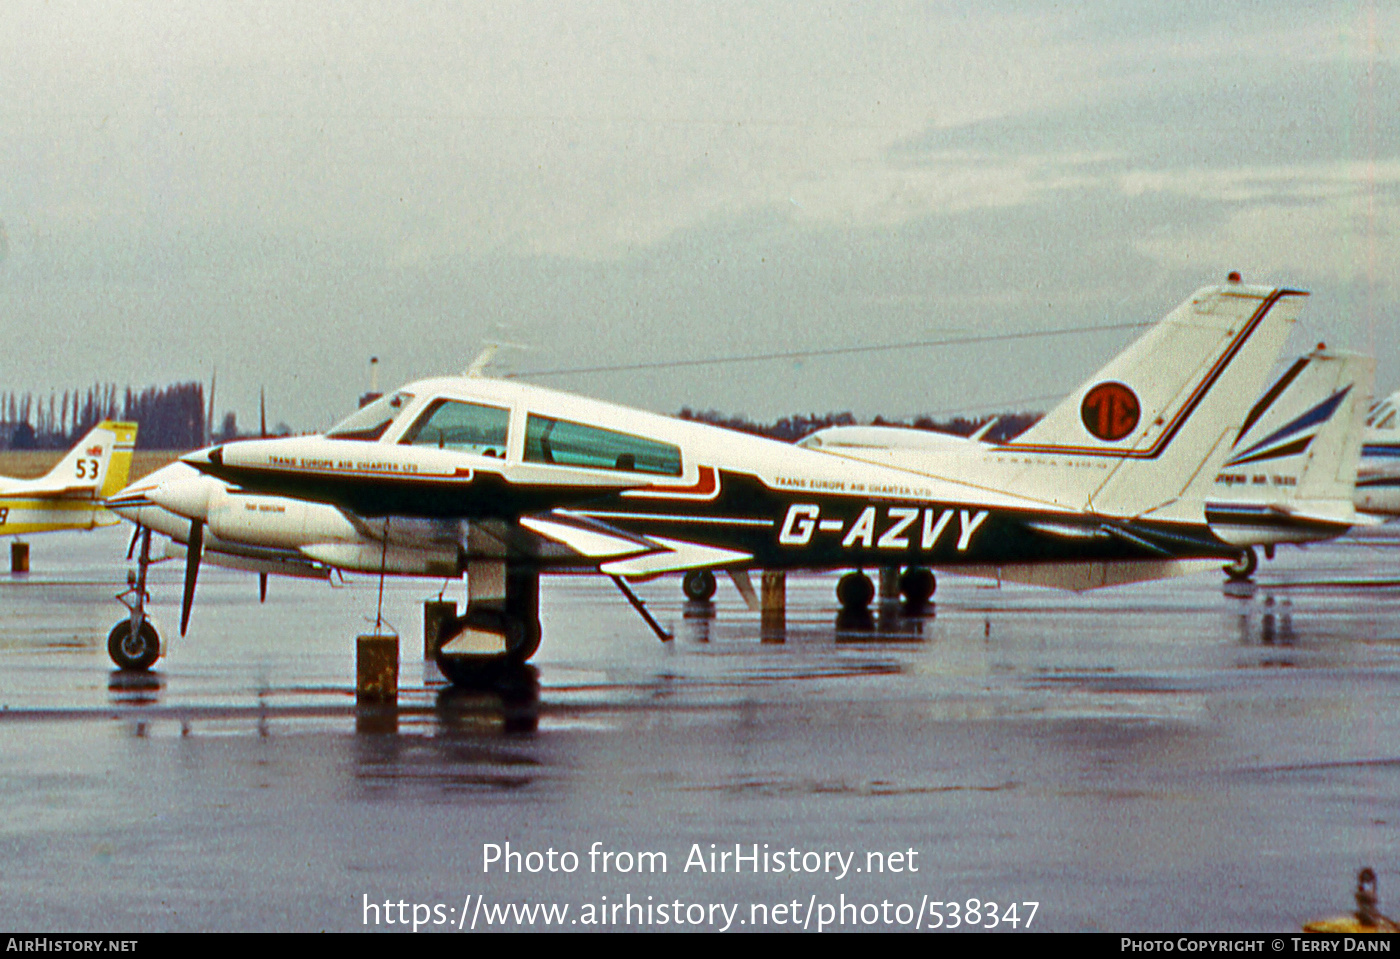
column 133, row 642
column 1244, row 565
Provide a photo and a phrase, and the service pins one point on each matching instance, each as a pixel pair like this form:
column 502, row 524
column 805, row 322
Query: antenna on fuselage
column 367, row 398
column 209, row 417
column 477, row 367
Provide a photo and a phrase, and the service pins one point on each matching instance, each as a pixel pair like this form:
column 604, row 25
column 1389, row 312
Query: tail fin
column 1291, row 473
column 96, row 467
column 1134, row 437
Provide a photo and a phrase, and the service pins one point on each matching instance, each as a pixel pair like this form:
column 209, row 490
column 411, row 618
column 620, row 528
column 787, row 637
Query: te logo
column 1110, row 411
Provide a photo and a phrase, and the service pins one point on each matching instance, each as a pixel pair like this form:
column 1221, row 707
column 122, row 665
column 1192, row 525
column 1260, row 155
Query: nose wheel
column 133, row 642
column 1244, row 565
column 136, row 650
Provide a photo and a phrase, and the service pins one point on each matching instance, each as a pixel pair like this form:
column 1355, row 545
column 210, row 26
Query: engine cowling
column 276, row 522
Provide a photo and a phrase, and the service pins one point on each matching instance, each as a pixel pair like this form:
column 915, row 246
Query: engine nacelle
column 276, row 522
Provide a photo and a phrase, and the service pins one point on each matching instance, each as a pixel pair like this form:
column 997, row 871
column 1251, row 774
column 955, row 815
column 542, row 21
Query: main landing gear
column 133, row 642
column 854, row 591
column 500, row 629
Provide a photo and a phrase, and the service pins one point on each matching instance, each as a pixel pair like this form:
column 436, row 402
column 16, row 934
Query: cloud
column 302, row 187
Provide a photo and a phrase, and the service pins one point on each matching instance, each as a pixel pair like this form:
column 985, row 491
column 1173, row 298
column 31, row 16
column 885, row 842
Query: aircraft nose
column 213, row 455
column 187, row 497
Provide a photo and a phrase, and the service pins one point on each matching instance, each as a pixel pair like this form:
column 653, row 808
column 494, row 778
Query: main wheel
column 520, row 636
column 699, row 585
column 133, row 651
column 855, row 591
column 917, row 584
column 1244, row 565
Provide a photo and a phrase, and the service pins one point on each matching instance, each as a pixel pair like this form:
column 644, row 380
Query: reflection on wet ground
column 1181, row 755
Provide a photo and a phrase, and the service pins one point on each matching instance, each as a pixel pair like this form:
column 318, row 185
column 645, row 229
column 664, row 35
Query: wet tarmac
column 1178, row 756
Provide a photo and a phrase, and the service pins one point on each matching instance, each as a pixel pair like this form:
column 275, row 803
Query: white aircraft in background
column 1378, row 481
column 502, row 480
column 1289, row 478
column 70, row 496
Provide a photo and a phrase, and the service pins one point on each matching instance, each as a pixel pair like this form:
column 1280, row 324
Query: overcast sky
column 282, row 190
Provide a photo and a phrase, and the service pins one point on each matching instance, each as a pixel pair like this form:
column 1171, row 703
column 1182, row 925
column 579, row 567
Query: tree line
column 171, row 417
column 793, row 428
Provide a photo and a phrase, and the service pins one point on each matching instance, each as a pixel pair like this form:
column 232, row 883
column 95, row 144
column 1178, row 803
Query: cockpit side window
column 370, row 422
column 563, row 443
column 464, row 427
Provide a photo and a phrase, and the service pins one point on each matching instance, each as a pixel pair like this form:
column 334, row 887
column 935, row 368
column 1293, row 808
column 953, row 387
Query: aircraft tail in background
column 1291, row 473
column 70, row 495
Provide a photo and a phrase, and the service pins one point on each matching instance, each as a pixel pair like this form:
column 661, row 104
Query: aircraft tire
column 699, row 585
column 138, row 652
column 855, row 591
column 1244, row 566
column 918, row 585
column 522, row 640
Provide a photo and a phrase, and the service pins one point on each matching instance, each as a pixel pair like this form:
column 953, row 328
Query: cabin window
column 464, row 427
column 563, row 443
column 370, row 422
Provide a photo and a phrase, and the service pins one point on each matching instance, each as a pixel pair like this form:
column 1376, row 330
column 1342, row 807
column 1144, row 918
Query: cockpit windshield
column 370, row 422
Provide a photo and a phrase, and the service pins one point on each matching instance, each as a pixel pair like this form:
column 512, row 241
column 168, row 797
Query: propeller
column 192, row 556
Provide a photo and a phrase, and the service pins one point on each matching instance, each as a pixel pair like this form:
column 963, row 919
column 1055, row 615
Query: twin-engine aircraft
column 70, row 496
column 502, row 480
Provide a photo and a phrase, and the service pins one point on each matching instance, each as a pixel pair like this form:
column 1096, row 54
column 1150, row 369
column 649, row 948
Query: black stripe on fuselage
column 997, row 535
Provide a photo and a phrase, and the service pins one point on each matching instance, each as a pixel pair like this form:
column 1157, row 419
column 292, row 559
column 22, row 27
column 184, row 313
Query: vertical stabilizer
column 96, row 467
column 1134, row 436
column 1291, row 473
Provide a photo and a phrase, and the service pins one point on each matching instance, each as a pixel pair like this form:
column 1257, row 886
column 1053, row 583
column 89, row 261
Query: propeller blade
column 192, row 557
column 209, row 419
column 131, row 548
column 262, row 587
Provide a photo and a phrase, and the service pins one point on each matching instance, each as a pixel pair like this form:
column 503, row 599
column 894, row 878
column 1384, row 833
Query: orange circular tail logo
column 1110, row 411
